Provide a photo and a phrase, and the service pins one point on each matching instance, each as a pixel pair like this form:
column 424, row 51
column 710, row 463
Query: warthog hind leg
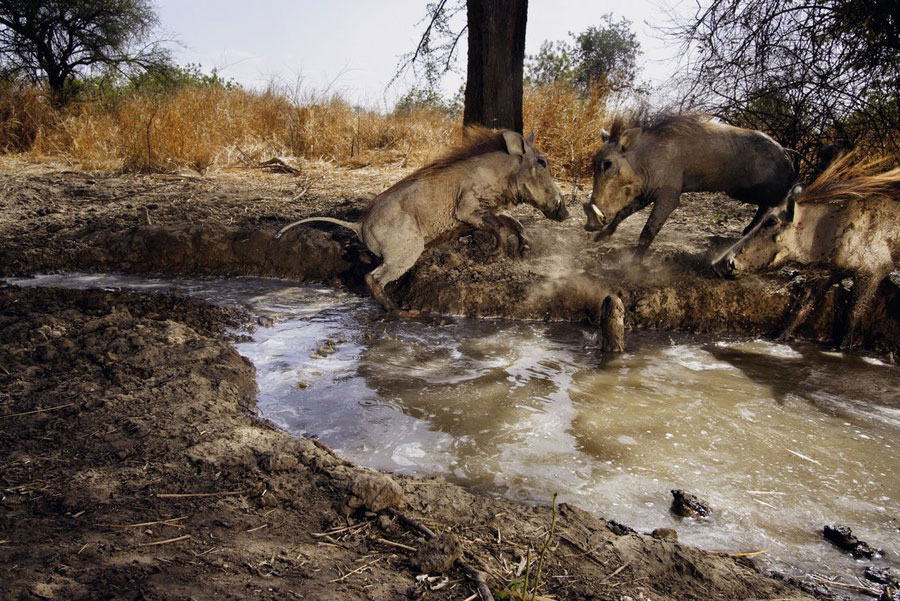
column 399, row 257
column 666, row 202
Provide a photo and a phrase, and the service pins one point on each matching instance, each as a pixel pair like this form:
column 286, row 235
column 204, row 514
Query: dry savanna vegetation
column 213, row 126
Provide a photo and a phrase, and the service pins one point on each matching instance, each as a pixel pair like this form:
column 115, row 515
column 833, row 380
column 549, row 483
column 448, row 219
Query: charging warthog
column 466, row 188
column 681, row 153
column 848, row 219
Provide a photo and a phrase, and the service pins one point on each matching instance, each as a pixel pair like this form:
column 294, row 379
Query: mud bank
column 135, row 468
column 54, row 219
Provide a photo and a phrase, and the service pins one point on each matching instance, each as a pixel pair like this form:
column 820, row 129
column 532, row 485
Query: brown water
column 780, row 440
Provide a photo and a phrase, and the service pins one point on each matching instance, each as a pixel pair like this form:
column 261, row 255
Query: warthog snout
column 561, row 213
column 725, row 266
column 595, row 217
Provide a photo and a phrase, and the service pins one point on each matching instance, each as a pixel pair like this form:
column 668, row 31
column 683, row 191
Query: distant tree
column 604, row 55
column 607, row 54
column 803, row 71
column 55, row 40
column 552, row 63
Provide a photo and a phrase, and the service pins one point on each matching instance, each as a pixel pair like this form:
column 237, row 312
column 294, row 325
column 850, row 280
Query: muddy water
column 779, row 439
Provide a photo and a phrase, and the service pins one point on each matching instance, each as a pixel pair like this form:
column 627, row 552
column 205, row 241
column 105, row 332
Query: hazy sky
column 353, row 46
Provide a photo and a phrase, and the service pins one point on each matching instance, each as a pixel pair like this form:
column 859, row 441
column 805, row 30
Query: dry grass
column 198, row 127
column 566, row 125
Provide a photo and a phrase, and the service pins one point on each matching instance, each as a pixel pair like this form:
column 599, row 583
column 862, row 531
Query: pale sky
column 353, row 46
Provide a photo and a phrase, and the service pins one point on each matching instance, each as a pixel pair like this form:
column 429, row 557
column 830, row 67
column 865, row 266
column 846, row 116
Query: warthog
column 681, row 153
column 468, row 187
column 848, row 219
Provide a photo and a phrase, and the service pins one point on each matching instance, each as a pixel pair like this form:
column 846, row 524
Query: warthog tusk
column 598, row 211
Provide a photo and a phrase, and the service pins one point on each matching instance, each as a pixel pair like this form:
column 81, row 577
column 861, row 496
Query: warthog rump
column 848, row 219
column 681, row 153
column 468, row 187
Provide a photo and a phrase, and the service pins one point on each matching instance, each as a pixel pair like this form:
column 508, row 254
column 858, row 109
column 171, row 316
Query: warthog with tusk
column 848, row 219
column 487, row 173
column 681, row 153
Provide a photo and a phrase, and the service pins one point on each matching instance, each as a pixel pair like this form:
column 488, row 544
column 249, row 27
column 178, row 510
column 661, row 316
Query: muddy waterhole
column 779, row 440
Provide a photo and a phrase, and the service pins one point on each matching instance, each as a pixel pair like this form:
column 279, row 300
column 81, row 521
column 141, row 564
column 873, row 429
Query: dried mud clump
column 437, row 555
column 374, row 492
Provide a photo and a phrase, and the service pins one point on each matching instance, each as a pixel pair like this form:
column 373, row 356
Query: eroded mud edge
column 670, row 291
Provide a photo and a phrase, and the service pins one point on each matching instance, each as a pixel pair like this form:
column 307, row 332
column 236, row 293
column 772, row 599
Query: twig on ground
column 185, row 495
column 391, row 543
column 167, row 541
column 356, row 571
column 168, row 522
column 37, row 411
column 617, row 570
column 750, row 554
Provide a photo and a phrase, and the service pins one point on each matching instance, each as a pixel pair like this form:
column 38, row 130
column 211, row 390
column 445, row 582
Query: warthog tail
column 347, row 224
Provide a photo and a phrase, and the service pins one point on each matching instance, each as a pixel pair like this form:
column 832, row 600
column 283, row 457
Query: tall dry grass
column 198, row 127
column 567, row 124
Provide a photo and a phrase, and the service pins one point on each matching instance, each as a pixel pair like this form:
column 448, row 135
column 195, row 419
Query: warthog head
column 764, row 245
column 616, row 182
column 532, row 180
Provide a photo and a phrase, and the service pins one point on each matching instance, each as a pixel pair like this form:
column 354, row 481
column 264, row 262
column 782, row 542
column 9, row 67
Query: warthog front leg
column 472, row 212
column 665, row 203
column 811, row 297
column 636, row 205
column 517, row 228
column 864, row 288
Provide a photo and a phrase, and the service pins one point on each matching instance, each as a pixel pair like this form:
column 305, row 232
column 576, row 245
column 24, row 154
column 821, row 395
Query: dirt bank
column 134, row 467
column 55, row 219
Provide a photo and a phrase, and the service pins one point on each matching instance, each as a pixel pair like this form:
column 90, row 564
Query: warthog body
column 848, row 219
column 636, row 167
column 487, row 173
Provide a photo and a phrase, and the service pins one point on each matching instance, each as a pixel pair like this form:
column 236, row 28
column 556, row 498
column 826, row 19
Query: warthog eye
column 542, row 161
column 605, row 165
column 770, row 222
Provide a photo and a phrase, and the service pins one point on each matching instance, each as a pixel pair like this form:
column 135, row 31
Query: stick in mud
column 612, row 324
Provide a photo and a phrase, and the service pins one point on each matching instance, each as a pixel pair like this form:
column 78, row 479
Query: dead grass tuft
column 566, row 124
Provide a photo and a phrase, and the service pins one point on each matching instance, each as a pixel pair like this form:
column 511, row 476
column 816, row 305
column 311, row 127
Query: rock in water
column 842, row 537
column 687, row 505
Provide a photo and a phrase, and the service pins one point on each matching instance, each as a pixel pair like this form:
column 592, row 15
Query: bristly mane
column 852, row 177
column 476, row 141
column 660, row 123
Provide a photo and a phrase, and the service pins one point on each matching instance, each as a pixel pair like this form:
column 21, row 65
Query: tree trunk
column 496, row 59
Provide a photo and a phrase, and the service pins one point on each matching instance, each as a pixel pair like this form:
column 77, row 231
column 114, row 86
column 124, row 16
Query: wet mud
column 134, row 465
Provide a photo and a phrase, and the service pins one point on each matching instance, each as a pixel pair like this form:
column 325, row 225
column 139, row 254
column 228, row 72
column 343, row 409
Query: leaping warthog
column 681, row 153
column 848, row 219
column 468, row 187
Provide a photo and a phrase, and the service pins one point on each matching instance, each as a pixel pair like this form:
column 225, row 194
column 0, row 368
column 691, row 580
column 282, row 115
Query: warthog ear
column 530, row 138
column 605, row 135
column 515, row 143
column 629, row 137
